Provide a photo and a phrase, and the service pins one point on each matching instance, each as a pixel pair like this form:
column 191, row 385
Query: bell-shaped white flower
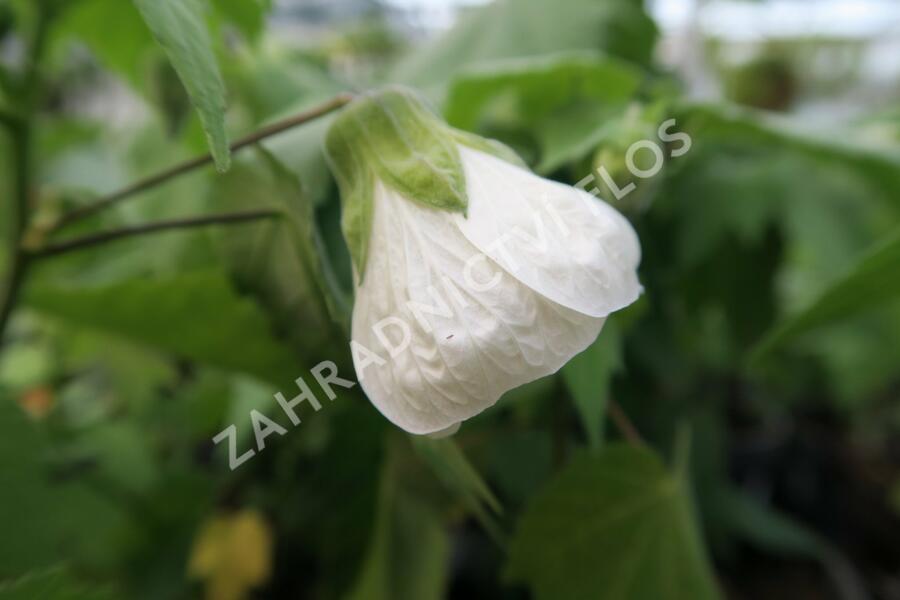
column 474, row 276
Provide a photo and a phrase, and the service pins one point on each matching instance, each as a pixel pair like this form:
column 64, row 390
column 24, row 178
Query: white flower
column 455, row 308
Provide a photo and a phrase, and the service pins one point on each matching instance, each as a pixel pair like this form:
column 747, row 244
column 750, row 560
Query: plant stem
column 20, row 129
column 21, row 135
column 200, row 161
column 624, row 424
column 148, row 228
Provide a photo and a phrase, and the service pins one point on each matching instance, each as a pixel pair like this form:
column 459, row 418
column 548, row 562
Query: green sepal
column 390, row 136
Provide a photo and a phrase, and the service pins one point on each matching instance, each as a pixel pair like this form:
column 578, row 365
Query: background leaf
column 451, row 466
column 621, row 527
column 709, row 122
column 196, row 315
column 566, row 100
column 180, row 28
column 247, row 15
column 123, row 48
column 589, row 377
column 870, row 283
column 407, row 558
column 283, row 262
column 519, row 28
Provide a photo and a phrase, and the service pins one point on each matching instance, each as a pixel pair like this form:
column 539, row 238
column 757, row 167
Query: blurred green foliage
column 770, row 266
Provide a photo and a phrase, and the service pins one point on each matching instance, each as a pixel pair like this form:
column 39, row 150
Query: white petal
column 482, row 344
column 560, row 241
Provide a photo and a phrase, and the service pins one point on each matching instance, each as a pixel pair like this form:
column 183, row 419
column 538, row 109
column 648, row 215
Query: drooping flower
column 473, row 275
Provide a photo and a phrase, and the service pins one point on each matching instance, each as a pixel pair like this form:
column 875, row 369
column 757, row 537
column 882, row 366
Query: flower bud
column 626, row 156
column 474, row 275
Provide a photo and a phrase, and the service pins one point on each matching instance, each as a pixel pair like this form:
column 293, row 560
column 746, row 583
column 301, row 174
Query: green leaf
column 274, row 84
column 247, row 15
column 778, row 534
column 123, row 48
column 301, row 149
column 563, row 100
column 612, row 525
column 709, row 122
column 519, row 28
column 767, row 529
column 180, row 28
column 589, row 377
column 47, row 516
column 454, row 470
column 282, row 262
column 870, row 283
column 409, row 551
column 53, row 584
column 195, row 315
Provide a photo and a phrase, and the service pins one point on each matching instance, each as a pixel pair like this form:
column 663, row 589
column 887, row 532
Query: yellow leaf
column 232, row 554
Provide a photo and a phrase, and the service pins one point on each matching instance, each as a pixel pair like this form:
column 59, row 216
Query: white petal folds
column 560, row 241
column 447, row 318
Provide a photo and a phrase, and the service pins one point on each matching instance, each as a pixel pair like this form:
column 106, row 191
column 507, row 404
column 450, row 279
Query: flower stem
column 201, row 161
column 89, row 241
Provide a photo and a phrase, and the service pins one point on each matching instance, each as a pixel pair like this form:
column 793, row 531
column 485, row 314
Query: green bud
column 388, row 134
column 637, row 124
column 613, row 160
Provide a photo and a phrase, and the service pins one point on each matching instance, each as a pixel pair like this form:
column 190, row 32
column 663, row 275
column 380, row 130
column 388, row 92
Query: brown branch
column 21, row 135
column 18, row 260
column 90, row 241
column 201, row 161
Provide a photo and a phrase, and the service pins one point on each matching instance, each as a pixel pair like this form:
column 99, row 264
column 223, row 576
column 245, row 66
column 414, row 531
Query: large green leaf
column 517, row 28
column 564, row 100
column 195, row 315
column 612, row 525
column 589, row 376
column 180, row 28
column 873, row 281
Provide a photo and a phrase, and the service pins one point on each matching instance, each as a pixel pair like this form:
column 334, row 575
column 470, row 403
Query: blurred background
column 761, row 368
